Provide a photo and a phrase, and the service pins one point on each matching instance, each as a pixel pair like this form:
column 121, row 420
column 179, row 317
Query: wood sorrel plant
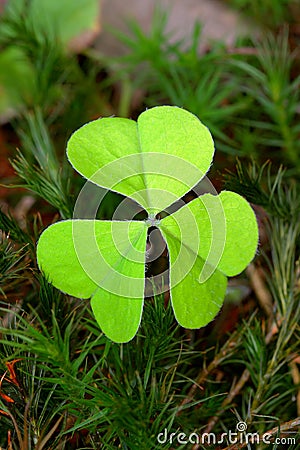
column 153, row 162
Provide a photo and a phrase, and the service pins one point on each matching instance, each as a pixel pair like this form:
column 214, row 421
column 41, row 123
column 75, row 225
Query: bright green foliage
column 224, row 244
column 154, row 161
column 130, row 157
column 78, row 277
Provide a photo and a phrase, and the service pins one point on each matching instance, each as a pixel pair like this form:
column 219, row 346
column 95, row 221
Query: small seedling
column 154, row 162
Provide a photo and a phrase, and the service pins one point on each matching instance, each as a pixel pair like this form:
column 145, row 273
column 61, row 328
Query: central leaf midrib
column 143, row 168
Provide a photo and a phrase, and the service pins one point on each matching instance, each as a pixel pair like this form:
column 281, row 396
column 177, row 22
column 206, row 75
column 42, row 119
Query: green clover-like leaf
column 167, row 150
column 80, row 255
column 154, row 161
column 221, row 225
